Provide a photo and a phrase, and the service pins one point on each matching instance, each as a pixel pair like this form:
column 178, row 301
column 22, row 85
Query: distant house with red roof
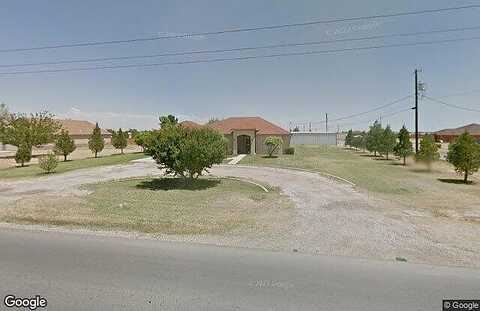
column 81, row 130
column 449, row 135
column 246, row 135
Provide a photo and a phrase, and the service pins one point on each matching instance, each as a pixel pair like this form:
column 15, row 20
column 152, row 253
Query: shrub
column 48, row 163
column 273, row 143
column 186, row 152
column 23, row 154
column 464, row 154
column 290, row 150
column 64, row 145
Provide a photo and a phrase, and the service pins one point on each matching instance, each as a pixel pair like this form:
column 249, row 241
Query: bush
column 186, row 152
column 273, row 143
column 23, row 154
column 48, row 163
column 290, row 150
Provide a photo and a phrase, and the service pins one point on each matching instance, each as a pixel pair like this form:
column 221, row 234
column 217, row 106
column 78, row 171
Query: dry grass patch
column 158, row 206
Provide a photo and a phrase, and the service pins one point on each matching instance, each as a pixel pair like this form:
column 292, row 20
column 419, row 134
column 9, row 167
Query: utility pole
column 309, row 126
column 416, row 111
column 326, row 123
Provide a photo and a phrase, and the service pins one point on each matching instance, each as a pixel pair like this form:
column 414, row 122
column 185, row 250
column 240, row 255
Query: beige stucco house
column 246, row 135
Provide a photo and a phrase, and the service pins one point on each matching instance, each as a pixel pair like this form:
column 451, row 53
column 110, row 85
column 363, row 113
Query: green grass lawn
column 34, row 170
column 387, row 179
column 163, row 205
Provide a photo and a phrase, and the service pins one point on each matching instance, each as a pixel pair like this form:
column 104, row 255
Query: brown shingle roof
column 473, row 129
column 79, row 127
column 190, row 124
column 263, row 127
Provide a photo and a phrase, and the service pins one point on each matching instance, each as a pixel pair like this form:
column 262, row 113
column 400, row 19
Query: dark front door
column 243, row 144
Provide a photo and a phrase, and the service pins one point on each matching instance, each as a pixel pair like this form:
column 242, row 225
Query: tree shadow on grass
column 394, row 163
column 369, row 155
column 270, row 157
column 177, row 184
column 455, row 181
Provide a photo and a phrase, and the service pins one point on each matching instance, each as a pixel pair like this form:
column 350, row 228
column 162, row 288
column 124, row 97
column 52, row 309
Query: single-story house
column 449, row 135
column 81, row 130
column 246, row 135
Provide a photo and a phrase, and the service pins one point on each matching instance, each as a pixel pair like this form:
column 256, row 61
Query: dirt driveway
column 330, row 217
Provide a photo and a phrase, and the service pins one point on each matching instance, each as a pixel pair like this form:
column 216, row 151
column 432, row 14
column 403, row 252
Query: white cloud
column 110, row 119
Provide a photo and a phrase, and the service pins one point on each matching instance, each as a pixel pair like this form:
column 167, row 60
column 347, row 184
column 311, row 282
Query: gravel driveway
column 330, row 217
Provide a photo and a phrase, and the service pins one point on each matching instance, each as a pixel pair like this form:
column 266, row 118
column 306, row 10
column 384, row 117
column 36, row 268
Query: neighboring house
column 246, row 135
column 449, row 135
column 81, row 130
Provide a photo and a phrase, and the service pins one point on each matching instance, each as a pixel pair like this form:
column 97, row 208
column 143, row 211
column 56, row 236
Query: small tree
column 186, row 152
column 374, row 137
column 464, row 155
column 388, row 139
column 273, row 143
column 349, row 139
column 120, row 140
column 96, row 143
column 404, row 147
column 23, row 154
column 428, row 152
column 48, row 163
column 64, row 145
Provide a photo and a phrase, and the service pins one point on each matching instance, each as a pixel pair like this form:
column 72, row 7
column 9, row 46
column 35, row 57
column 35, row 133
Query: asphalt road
column 90, row 272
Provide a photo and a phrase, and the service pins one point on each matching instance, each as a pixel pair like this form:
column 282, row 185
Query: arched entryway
column 244, row 145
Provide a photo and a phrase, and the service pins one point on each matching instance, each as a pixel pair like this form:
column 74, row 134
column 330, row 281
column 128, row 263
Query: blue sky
column 293, row 89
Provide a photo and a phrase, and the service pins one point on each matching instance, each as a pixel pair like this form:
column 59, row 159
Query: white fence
column 310, row 138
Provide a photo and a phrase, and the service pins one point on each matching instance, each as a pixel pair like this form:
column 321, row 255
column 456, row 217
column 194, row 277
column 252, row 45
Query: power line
column 372, row 110
column 451, row 105
column 239, row 30
column 244, row 58
column 373, row 120
column 359, row 114
column 283, row 45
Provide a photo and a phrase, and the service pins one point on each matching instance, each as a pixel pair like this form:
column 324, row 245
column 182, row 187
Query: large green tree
column 374, row 138
column 168, row 120
column 120, row 140
column 186, row 152
column 388, row 139
column 30, row 131
column 64, row 145
column 96, row 143
column 428, row 152
column 464, row 155
column 404, row 147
